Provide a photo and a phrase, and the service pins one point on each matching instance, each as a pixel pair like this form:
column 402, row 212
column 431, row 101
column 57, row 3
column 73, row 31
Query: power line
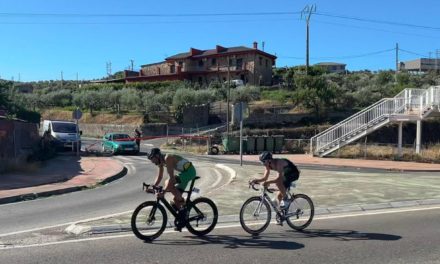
column 343, row 57
column 165, row 15
column 141, row 22
column 377, row 21
column 146, row 15
column 413, row 53
column 370, row 28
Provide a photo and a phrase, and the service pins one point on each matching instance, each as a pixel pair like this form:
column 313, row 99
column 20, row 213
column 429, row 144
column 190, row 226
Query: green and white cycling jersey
column 182, row 163
column 187, row 172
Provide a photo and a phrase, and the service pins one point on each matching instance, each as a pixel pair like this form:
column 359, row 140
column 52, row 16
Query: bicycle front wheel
column 255, row 215
column 202, row 216
column 148, row 221
column 301, row 212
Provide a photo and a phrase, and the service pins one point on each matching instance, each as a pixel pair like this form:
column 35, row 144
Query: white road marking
column 64, row 224
column 5, row 247
column 219, row 178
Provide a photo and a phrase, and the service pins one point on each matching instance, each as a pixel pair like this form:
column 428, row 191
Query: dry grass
column 431, row 154
column 193, row 147
column 132, row 119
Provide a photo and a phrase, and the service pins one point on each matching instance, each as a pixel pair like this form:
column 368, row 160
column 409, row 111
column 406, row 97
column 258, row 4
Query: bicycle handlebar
column 252, row 185
column 154, row 188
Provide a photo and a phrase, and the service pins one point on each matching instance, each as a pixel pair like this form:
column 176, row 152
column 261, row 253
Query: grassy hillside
column 131, row 119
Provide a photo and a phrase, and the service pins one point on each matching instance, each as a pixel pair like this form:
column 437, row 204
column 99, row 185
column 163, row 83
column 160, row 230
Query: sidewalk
column 60, row 175
column 303, row 159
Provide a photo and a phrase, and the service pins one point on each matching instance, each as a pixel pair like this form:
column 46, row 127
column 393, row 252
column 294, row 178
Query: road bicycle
column 150, row 219
column 256, row 214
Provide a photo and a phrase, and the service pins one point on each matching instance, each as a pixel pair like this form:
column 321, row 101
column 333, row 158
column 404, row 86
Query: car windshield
column 121, row 137
column 64, row 127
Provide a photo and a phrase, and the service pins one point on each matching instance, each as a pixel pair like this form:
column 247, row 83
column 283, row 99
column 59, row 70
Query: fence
column 297, row 146
column 18, row 141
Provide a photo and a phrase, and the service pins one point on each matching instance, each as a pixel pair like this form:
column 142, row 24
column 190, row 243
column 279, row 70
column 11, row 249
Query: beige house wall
column 156, row 69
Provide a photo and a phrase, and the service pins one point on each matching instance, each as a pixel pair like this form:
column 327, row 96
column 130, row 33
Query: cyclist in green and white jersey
column 176, row 184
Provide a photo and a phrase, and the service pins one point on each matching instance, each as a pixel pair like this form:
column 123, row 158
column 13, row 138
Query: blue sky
column 35, row 47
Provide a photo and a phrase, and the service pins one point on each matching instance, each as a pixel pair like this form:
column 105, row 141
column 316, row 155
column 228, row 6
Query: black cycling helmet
column 155, row 152
column 265, row 156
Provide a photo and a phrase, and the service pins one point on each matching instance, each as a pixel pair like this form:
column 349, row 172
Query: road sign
column 77, row 114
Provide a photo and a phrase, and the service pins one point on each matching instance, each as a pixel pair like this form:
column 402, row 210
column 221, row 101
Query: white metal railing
column 409, row 101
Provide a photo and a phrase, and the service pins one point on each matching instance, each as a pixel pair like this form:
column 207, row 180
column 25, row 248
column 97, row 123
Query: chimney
column 255, row 45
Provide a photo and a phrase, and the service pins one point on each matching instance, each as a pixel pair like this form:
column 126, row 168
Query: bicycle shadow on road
column 345, row 235
column 236, row 242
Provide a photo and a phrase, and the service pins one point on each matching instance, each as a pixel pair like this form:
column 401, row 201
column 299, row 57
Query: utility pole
column 437, row 66
column 61, row 79
column 397, row 57
column 227, row 97
column 109, row 68
column 132, row 64
column 307, row 13
column 77, row 81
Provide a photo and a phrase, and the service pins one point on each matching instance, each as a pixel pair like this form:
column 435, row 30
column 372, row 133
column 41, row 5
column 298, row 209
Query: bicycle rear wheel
column 301, row 212
column 148, row 221
column 255, row 215
column 202, row 216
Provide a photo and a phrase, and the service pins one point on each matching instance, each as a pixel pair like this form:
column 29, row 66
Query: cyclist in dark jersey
column 287, row 173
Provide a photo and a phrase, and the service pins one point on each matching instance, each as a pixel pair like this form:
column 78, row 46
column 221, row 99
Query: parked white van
column 64, row 133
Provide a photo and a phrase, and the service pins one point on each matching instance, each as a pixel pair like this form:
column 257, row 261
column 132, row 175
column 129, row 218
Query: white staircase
column 409, row 105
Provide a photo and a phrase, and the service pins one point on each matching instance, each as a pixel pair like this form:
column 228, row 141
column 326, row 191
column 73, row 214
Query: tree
column 131, row 99
column 4, row 98
column 314, row 92
column 245, row 94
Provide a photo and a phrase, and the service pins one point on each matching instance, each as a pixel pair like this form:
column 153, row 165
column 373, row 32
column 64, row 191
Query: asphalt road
column 398, row 237
column 116, row 197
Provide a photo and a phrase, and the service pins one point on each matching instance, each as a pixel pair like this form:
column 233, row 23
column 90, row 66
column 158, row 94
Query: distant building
column 332, row 67
column 251, row 65
column 420, row 65
column 24, row 87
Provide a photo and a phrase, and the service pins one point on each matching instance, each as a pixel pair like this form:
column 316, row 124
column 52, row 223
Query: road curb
column 33, row 196
column 321, row 166
column 81, row 228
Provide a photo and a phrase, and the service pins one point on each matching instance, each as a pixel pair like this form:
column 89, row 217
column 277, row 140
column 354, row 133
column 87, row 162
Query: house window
column 180, row 63
column 172, row 68
column 200, row 63
column 267, row 63
column 231, row 62
column 213, row 61
column 261, row 61
column 239, row 63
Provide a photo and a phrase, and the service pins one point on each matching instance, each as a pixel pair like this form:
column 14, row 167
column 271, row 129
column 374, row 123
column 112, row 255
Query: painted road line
column 6, row 247
column 218, row 179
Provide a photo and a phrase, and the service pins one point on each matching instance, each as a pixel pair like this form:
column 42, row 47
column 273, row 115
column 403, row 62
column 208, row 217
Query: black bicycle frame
column 173, row 211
